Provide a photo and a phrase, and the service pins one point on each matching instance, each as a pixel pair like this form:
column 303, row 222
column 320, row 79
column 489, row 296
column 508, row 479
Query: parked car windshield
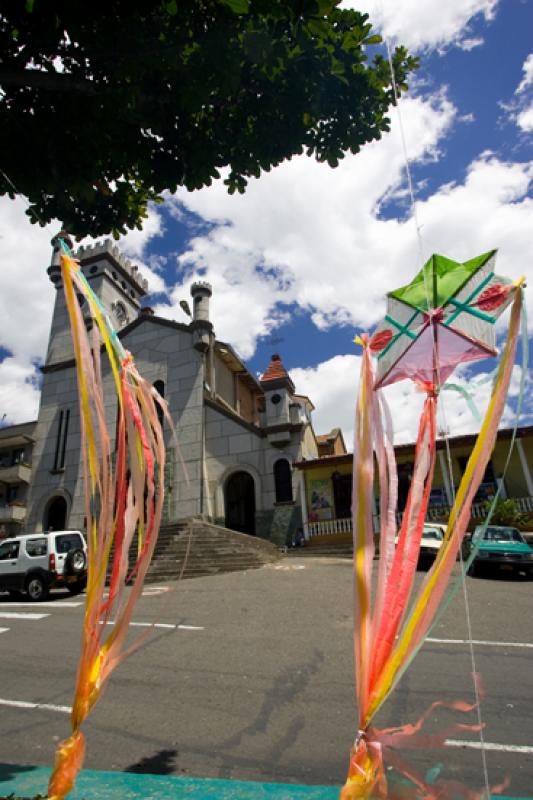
column 503, row 535
column 433, row 533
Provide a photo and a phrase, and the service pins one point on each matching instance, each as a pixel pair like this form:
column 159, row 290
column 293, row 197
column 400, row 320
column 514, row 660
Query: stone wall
column 276, row 524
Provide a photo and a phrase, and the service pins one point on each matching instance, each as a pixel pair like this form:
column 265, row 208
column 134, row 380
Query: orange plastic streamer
column 389, row 631
column 124, row 492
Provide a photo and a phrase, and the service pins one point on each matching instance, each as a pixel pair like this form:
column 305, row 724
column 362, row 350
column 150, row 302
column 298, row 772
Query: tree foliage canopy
column 105, row 105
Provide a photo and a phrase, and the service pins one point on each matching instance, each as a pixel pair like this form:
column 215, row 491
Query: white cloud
column 27, row 300
column 527, row 69
column 520, row 108
column 19, row 394
column 319, row 241
column 470, row 44
column 133, row 244
column 333, row 386
column 27, row 297
column 307, row 234
column 524, row 119
column 432, row 24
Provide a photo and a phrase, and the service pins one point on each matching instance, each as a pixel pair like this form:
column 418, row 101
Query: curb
column 28, row 781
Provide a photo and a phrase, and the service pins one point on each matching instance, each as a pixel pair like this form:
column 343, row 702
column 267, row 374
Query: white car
column 431, row 541
column 35, row 563
column 432, row 538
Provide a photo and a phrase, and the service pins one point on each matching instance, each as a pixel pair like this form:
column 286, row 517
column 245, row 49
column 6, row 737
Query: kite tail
column 363, row 537
column 366, row 774
column 69, row 758
column 430, row 595
column 434, row 587
column 124, row 494
column 399, row 586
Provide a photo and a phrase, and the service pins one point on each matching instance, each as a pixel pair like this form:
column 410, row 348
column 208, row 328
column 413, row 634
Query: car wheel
column 473, row 569
column 75, row 562
column 78, row 587
column 37, row 589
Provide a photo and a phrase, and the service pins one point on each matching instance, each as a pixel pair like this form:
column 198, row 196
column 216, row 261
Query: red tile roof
column 274, row 371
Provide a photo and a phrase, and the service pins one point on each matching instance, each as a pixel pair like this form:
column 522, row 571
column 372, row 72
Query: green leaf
column 238, row 6
column 318, row 27
column 200, row 88
column 376, row 39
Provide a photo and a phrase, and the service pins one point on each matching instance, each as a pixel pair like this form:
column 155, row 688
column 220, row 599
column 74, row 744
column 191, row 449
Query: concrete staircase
column 206, row 550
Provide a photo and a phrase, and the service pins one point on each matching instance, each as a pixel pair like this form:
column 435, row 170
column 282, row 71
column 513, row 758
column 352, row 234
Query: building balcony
column 336, row 527
column 13, row 513
column 15, row 473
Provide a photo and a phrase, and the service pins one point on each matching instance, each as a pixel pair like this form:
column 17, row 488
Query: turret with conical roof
column 279, row 389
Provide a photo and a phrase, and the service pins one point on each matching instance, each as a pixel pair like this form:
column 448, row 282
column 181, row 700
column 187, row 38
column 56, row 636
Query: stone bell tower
column 116, row 282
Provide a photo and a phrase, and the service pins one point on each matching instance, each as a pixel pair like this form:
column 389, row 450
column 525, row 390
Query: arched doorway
column 240, row 503
column 55, row 518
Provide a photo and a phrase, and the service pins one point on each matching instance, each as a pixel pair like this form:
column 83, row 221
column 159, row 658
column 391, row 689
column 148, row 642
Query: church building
column 238, row 436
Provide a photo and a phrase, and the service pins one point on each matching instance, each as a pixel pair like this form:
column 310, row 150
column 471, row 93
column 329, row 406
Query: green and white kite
column 444, row 317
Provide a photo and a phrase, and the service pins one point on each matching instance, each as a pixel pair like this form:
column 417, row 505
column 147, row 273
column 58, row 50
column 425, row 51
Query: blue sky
column 303, row 260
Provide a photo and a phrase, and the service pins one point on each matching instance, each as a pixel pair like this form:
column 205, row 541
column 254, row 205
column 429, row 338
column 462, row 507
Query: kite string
column 442, row 409
column 406, row 157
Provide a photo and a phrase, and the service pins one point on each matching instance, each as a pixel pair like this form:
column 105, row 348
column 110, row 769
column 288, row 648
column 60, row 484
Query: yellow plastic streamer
column 124, row 493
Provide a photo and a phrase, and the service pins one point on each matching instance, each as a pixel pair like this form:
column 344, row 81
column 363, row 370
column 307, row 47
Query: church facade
column 238, row 437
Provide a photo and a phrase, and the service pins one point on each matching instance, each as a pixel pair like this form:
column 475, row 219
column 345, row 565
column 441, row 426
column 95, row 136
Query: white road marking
column 16, row 615
column 191, row 627
column 3, row 630
column 161, row 625
column 480, row 642
column 151, row 591
column 502, row 748
column 153, row 625
column 42, row 706
column 57, row 604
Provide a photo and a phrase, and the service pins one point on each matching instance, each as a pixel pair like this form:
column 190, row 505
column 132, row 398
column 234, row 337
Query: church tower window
column 61, row 439
column 159, row 386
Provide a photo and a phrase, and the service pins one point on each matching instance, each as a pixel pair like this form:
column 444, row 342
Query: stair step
column 210, row 550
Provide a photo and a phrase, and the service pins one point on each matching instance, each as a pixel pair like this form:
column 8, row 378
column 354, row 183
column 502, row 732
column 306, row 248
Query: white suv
column 35, row 563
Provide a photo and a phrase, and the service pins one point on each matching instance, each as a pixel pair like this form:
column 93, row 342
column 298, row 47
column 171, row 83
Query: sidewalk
column 26, row 782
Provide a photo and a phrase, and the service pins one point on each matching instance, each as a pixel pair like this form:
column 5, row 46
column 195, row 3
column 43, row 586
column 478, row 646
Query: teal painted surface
column 93, row 785
column 27, row 781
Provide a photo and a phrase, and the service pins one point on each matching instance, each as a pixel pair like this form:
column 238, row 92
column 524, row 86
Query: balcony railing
column 15, row 473
column 331, row 527
column 15, row 513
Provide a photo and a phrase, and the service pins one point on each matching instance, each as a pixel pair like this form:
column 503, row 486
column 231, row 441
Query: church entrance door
column 55, row 518
column 240, row 503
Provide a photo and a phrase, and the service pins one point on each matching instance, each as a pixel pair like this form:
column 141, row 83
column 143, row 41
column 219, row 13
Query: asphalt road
column 257, row 683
